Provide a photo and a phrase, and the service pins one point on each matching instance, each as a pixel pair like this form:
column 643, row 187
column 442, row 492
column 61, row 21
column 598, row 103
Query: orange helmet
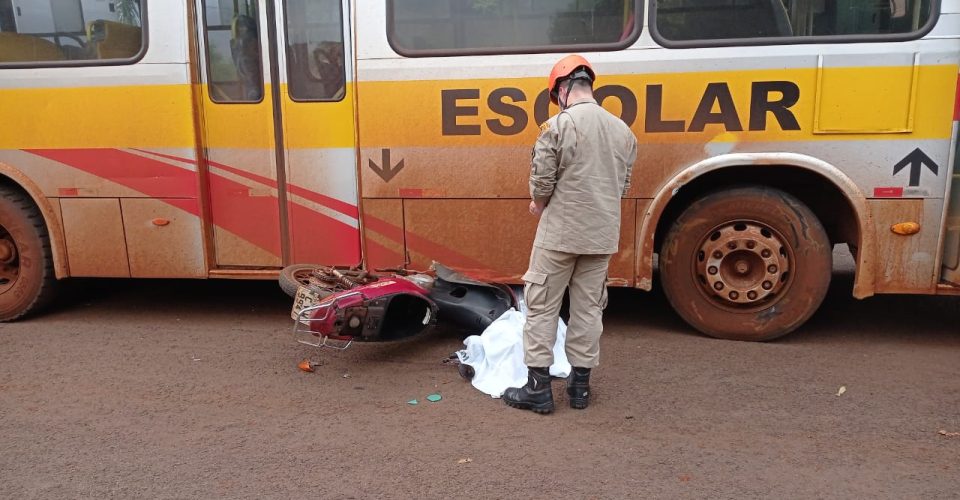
column 566, row 67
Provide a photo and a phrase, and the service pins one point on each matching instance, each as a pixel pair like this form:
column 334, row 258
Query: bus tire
column 27, row 279
column 294, row 276
column 747, row 263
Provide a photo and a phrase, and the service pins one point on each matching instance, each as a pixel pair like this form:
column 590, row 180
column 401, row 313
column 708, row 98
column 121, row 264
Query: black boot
column 537, row 395
column 578, row 388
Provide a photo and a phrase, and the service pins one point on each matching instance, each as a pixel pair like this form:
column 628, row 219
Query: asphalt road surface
column 186, row 389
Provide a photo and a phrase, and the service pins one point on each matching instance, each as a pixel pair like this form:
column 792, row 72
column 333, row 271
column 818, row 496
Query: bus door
column 280, row 159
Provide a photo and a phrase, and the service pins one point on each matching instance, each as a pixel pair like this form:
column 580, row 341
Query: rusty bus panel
column 445, row 172
column 54, row 219
column 383, row 233
column 93, row 228
column 496, row 246
column 623, row 262
column 905, row 263
column 163, row 240
column 487, row 239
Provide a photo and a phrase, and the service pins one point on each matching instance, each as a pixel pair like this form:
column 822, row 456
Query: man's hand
column 536, row 207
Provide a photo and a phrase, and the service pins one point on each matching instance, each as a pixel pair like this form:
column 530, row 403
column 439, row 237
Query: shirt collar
column 581, row 101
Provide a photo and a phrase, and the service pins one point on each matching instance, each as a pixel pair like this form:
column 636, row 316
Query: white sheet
column 496, row 355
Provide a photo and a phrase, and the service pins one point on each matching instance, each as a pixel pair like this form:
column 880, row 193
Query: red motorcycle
column 342, row 305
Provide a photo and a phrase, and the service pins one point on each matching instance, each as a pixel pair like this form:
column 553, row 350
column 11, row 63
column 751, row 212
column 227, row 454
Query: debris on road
column 413, row 402
column 842, row 390
column 949, row 434
column 464, row 460
column 433, row 398
column 307, row 365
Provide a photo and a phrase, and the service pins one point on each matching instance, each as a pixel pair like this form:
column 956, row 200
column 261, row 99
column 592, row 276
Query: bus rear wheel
column 26, row 266
column 750, row 263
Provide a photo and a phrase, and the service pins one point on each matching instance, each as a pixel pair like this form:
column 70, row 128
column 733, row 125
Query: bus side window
column 245, row 52
column 234, row 55
column 690, row 20
column 724, row 19
column 415, row 27
column 316, row 69
column 50, row 32
column 113, row 40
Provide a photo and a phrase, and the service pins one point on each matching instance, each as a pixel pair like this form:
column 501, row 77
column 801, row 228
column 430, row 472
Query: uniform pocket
column 535, row 291
column 535, row 277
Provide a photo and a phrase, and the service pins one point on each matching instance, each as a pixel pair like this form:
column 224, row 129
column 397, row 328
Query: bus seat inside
column 15, row 47
column 716, row 20
column 113, row 40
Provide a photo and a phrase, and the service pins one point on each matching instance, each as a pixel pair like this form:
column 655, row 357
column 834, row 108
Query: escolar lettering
column 716, row 107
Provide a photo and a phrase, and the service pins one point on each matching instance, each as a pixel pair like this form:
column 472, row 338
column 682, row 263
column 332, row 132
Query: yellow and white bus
column 229, row 138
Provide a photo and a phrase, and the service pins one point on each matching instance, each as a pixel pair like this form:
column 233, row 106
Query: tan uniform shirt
column 582, row 163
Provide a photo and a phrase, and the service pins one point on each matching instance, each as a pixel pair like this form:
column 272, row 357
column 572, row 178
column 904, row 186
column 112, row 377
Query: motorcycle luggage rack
column 301, row 326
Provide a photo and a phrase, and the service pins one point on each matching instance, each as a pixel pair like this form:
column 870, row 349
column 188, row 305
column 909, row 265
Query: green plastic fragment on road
column 412, row 402
column 433, row 398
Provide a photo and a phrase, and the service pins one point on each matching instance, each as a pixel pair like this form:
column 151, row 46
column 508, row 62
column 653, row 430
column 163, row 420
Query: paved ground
column 173, row 389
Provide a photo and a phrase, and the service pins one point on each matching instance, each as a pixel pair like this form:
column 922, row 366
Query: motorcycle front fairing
column 385, row 310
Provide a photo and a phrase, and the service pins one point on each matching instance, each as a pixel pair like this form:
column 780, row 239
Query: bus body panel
column 434, row 151
column 464, row 126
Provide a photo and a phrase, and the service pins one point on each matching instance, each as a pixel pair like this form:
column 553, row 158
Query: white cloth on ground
column 496, row 355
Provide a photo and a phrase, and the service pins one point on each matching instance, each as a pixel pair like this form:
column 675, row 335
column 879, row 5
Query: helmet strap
column 566, row 98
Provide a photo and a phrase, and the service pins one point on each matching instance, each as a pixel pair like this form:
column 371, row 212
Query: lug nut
column 732, row 245
column 772, row 269
column 717, row 254
column 765, row 253
column 712, row 269
column 734, row 295
column 767, row 285
column 751, row 244
column 752, row 295
column 718, row 285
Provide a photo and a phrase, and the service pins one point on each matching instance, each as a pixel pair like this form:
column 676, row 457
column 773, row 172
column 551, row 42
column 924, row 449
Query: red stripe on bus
column 256, row 219
column 152, row 177
column 318, row 238
column 324, row 200
column 422, row 245
column 187, row 205
column 383, row 227
column 381, row 257
column 252, row 218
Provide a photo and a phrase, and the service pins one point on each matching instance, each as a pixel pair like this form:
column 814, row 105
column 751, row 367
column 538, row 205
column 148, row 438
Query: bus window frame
column 343, row 55
column 638, row 13
column 144, row 46
column 792, row 40
column 206, row 57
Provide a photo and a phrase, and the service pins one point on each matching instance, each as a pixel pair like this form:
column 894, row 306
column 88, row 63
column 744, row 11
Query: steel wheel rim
column 743, row 265
column 9, row 260
column 304, row 277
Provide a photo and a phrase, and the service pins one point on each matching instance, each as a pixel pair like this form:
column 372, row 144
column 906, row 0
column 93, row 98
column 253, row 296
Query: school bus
column 230, row 138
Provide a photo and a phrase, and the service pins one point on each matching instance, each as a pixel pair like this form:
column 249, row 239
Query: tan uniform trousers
column 549, row 275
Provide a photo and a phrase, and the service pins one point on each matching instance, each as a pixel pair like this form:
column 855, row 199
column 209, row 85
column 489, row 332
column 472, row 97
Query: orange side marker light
column 906, row 228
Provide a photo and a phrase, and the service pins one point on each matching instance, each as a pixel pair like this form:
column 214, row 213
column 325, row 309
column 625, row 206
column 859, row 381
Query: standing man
column 581, row 168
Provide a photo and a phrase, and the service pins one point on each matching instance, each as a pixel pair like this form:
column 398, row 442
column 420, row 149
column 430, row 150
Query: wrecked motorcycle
column 342, row 305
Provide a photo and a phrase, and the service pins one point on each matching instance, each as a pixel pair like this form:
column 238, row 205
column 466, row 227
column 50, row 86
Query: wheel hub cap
column 742, row 263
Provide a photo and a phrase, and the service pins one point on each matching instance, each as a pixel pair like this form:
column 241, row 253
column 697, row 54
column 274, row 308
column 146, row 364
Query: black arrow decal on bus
column 386, row 172
column 916, row 159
